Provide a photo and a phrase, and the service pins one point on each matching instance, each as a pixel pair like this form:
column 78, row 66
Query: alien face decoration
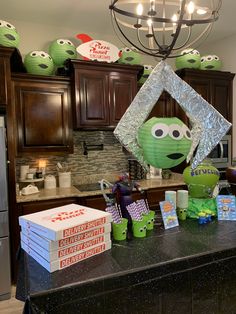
column 62, row 49
column 129, row 56
column 147, row 69
column 165, row 142
column 190, row 58
column 39, row 62
column 211, row 62
column 8, row 35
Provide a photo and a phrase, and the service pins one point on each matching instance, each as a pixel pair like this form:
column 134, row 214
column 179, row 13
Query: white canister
column 64, row 179
column 50, row 182
column 171, row 196
column 24, row 169
column 182, row 199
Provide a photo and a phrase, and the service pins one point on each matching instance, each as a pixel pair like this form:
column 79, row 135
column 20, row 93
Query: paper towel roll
column 23, row 171
column 182, row 199
column 171, row 196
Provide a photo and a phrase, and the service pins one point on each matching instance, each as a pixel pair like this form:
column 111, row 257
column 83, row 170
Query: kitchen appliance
column 5, row 278
column 220, row 156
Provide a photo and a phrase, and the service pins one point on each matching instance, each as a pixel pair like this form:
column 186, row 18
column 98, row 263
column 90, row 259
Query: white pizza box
column 67, row 251
column 50, row 245
column 67, row 261
column 65, row 221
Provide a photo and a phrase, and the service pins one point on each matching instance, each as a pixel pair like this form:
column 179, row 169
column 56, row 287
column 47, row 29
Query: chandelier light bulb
column 191, row 7
column 174, row 18
column 201, row 11
column 139, row 9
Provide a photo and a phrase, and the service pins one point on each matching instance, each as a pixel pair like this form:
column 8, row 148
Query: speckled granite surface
column 56, row 193
column 185, row 270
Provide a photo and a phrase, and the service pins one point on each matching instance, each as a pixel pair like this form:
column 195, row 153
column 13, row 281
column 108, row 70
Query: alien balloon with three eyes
column 9, row 36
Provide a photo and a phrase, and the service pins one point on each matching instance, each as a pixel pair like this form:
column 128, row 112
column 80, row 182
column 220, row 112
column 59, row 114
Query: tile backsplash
column 97, row 164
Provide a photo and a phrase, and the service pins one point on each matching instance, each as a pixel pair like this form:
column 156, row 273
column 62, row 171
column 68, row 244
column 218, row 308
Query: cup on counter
column 64, row 179
column 24, row 169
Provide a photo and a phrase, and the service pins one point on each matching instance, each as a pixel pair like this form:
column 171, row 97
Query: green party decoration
column 8, row 35
column 147, row 69
column 210, row 62
column 165, row 142
column 190, row 58
column 202, row 180
column 129, row 56
column 62, row 49
column 39, row 62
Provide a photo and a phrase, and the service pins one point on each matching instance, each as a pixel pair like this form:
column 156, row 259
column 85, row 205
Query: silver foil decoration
column 208, row 125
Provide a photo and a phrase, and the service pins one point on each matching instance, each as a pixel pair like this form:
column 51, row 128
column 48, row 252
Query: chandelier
column 162, row 28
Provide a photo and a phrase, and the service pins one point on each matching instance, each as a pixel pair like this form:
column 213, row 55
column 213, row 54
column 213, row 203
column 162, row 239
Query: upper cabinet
column 10, row 60
column 102, row 92
column 43, row 114
column 214, row 86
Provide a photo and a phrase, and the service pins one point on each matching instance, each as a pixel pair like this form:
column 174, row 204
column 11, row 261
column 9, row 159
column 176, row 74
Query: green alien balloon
column 8, row 35
column 147, row 69
column 210, row 62
column 62, row 49
column 129, row 56
column 165, row 142
column 39, row 62
column 190, row 58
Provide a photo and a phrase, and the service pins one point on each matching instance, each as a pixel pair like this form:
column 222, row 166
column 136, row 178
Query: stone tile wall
column 98, row 164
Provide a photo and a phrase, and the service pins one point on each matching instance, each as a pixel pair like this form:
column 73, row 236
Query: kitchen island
column 187, row 269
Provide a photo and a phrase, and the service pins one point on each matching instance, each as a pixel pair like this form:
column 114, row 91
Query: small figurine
column 202, row 218
column 123, row 189
column 182, row 213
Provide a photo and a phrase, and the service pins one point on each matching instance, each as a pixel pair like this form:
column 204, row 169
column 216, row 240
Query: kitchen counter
column 57, row 193
column 188, row 269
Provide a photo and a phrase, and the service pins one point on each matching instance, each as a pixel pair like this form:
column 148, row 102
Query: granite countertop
column 187, row 269
column 47, row 194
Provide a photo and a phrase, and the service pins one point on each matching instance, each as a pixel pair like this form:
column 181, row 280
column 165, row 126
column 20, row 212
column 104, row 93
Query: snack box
column 65, row 221
column 67, row 261
column 50, row 245
column 67, row 251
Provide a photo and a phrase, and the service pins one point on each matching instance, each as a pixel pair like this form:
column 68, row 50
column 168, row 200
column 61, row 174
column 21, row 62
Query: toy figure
column 129, row 56
column 211, row 62
column 147, row 70
column 61, row 50
column 39, row 62
column 8, row 35
column 165, row 142
column 123, row 190
column 190, row 58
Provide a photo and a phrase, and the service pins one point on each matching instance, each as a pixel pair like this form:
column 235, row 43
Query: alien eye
column 203, row 59
column 1, row 24
column 209, row 58
column 33, row 54
column 61, row 41
column 124, row 232
column 145, row 227
column 160, row 130
column 141, row 229
column 49, row 58
column 216, row 58
column 8, row 25
column 69, row 43
column 127, row 49
column 152, row 219
column 175, row 131
column 186, row 132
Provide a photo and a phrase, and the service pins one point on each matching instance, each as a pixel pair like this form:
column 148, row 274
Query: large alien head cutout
column 39, row 62
column 147, row 69
column 8, row 35
column 210, row 62
column 190, row 58
column 165, row 142
column 62, row 49
column 129, row 56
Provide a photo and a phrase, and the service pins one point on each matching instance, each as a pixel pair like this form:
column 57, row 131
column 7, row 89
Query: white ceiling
column 93, row 16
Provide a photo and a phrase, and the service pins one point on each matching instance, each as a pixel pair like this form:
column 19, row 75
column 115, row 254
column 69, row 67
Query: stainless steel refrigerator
column 5, row 278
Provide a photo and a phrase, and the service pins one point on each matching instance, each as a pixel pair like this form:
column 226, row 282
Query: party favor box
column 50, row 245
column 65, row 221
column 66, row 261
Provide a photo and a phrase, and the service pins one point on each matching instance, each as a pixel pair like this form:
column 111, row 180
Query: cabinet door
column 43, row 116
column 202, row 87
column 122, row 89
column 4, row 64
column 91, row 99
column 221, row 98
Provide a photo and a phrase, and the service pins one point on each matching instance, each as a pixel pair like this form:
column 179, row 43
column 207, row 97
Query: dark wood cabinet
column 214, row 86
column 101, row 92
column 43, row 114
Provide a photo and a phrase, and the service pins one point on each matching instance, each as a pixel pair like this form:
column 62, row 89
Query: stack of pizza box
column 59, row 237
